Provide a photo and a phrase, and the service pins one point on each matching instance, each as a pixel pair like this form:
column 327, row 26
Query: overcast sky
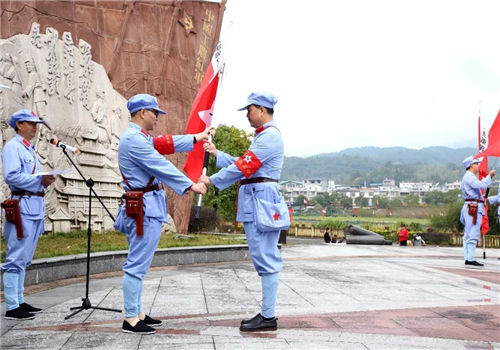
column 364, row 73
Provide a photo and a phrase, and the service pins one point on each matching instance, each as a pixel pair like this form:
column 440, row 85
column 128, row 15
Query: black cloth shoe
column 259, row 323
column 248, row 320
column 473, row 263
column 140, row 328
column 29, row 308
column 152, row 322
column 19, row 314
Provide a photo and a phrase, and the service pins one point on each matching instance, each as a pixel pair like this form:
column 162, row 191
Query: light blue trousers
column 132, row 292
column 19, row 256
column 270, row 283
column 140, row 255
column 471, row 235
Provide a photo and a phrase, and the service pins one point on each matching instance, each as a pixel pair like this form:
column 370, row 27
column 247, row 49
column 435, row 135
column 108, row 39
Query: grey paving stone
column 19, row 339
column 102, row 341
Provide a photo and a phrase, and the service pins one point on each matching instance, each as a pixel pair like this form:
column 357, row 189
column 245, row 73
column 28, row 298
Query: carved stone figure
column 36, row 87
column 42, row 145
column 9, row 70
column 99, row 114
column 115, row 128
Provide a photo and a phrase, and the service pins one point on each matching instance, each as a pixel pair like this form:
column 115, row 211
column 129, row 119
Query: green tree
column 300, row 200
column 345, row 202
column 235, row 142
column 411, row 200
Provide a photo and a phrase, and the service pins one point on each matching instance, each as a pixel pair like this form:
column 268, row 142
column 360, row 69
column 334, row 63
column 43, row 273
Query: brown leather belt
column 28, row 193
column 475, row 200
column 147, row 189
column 255, row 180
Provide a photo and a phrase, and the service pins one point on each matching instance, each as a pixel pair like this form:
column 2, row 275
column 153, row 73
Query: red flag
column 493, row 145
column 483, row 172
column 201, row 116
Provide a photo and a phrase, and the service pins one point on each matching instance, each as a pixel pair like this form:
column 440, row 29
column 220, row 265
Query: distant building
column 309, row 188
column 389, row 183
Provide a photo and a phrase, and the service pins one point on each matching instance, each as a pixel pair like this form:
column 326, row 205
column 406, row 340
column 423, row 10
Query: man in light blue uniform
column 19, row 163
column 259, row 170
column 471, row 193
column 144, row 169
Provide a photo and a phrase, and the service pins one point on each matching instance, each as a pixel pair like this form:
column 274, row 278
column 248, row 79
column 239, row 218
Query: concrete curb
column 63, row 267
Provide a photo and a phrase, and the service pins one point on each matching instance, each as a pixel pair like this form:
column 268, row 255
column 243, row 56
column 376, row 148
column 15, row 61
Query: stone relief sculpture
column 92, row 126
column 99, row 114
column 52, row 56
column 86, row 72
column 42, row 145
column 11, row 74
column 69, row 67
column 114, row 129
column 37, row 88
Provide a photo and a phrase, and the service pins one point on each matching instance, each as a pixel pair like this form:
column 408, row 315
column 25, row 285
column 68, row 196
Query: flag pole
column 197, row 212
column 483, row 238
column 204, row 172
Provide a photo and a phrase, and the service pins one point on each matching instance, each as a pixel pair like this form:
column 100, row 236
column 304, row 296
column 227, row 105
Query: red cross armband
column 248, row 163
column 164, row 144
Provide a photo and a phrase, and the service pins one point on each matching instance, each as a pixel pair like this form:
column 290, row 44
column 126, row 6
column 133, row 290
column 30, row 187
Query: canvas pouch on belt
column 134, row 209
column 473, row 211
column 13, row 215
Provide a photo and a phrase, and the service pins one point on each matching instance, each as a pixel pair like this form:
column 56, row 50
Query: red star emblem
column 276, row 216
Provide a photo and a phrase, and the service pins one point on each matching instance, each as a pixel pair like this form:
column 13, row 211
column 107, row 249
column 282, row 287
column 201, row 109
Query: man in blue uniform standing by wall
column 473, row 209
column 143, row 170
column 258, row 170
column 21, row 233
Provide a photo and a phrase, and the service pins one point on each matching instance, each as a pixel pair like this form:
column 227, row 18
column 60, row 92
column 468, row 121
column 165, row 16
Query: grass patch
column 303, row 219
column 70, row 243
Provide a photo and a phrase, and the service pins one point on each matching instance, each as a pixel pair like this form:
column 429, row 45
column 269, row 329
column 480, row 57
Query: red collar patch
column 259, row 130
column 26, row 144
column 145, row 133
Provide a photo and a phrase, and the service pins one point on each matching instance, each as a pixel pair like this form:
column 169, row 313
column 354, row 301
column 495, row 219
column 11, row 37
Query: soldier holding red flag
column 473, row 209
column 258, row 171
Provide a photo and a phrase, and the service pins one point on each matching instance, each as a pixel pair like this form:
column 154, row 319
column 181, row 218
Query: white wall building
column 309, row 188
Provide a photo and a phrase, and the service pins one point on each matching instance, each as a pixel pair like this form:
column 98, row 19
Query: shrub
column 449, row 220
column 334, row 224
column 208, row 221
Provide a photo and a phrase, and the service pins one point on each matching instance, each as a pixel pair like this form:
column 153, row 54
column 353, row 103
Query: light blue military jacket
column 269, row 149
column 495, row 200
column 18, row 159
column 471, row 189
column 138, row 161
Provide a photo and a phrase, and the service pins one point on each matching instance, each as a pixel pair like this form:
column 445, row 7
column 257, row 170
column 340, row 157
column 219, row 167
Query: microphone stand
column 86, row 304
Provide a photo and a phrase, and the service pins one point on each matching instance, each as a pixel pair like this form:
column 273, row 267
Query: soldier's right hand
column 210, row 147
column 492, row 173
column 199, row 188
column 48, row 180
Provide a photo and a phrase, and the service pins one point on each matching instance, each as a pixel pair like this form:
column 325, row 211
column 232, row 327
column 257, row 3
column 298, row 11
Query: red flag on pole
column 201, row 115
column 493, row 144
column 483, row 172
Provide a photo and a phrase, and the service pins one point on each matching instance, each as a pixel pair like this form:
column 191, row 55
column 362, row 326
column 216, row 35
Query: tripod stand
column 86, row 304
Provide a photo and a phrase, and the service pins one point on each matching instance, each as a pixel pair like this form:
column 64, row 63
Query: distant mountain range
column 355, row 166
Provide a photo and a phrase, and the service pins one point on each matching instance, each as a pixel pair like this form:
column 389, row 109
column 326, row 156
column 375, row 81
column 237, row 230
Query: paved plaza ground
column 333, row 296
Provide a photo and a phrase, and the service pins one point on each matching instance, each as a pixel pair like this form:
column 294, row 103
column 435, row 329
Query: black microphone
column 487, row 192
column 58, row 143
